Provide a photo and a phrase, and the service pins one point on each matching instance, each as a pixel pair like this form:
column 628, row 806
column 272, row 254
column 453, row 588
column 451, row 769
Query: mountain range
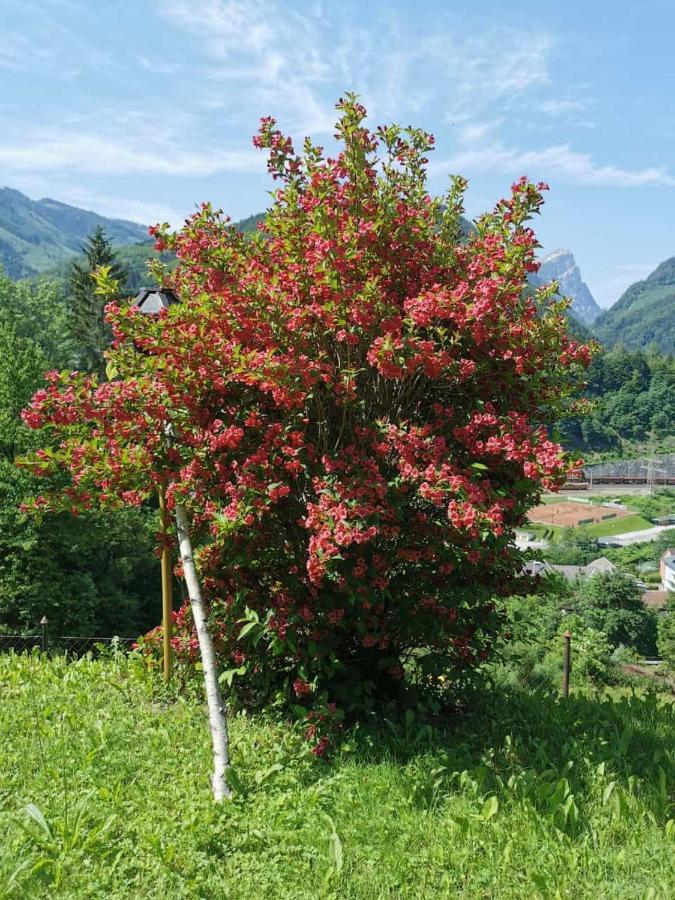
column 36, row 235
column 42, row 236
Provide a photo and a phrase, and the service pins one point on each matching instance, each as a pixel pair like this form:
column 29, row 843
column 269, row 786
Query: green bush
column 666, row 638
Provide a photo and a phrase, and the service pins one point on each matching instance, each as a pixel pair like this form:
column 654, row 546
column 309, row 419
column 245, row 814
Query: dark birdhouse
column 153, row 300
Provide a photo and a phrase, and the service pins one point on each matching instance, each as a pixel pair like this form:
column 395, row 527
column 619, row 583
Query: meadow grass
column 104, row 793
column 620, row 525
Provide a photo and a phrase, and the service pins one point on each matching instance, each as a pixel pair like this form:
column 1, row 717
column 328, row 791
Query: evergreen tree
column 87, row 318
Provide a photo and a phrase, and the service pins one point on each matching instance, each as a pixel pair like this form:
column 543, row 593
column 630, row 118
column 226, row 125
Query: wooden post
column 44, row 621
column 167, row 588
column 567, row 639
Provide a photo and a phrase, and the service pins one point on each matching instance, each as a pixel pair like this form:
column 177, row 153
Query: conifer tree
column 89, row 330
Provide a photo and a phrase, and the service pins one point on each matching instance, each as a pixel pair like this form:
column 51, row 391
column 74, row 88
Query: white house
column 668, row 570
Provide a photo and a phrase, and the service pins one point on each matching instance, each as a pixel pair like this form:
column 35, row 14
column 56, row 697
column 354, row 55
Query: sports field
column 568, row 513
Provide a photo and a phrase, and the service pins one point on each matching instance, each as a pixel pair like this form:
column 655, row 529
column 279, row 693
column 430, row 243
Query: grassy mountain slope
column 644, row 314
column 36, row 235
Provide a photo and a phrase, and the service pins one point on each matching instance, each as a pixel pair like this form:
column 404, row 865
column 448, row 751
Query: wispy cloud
column 559, row 161
column 158, row 66
column 124, row 207
column 475, row 132
column 563, row 107
column 17, row 52
column 129, row 144
column 121, row 205
column 269, row 53
column 296, row 61
column 497, row 65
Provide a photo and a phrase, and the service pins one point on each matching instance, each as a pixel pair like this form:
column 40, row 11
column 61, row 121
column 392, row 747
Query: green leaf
column 490, row 808
column 37, row 815
column 609, row 790
column 227, row 676
column 235, row 781
column 247, row 628
column 334, row 847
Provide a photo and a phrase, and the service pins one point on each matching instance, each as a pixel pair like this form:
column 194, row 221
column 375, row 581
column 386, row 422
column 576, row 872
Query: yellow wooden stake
column 167, row 588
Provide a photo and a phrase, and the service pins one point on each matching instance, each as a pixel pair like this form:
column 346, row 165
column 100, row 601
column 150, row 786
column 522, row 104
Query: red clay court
column 568, row 513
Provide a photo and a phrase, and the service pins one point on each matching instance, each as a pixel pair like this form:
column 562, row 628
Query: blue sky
column 143, row 108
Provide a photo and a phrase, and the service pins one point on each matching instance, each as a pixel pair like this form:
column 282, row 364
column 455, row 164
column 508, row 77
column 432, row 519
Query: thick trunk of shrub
column 214, row 700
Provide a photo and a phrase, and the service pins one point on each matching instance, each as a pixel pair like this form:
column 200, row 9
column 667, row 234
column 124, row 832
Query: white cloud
column 495, row 65
column 18, row 52
column 297, row 61
column 124, row 207
column 474, row 132
column 269, row 54
column 559, row 161
column 135, row 148
column 563, row 107
column 58, row 186
column 158, row 66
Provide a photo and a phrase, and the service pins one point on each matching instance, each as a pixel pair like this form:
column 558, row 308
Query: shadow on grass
column 617, row 750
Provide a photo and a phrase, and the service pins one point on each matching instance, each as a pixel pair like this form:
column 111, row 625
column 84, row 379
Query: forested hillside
column 631, row 393
column 644, row 314
column 36, row 235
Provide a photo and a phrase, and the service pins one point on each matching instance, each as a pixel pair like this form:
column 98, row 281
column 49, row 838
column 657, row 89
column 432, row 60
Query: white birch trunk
column 214, row 700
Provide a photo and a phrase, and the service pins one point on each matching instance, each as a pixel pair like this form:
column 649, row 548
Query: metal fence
column 664, row 466
column 70, row 645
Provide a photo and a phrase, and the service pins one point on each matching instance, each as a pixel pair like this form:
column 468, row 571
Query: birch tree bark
column 214, row 700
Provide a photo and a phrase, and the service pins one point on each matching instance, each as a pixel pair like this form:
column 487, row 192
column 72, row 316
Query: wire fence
column 69, row 645
column 664, row 467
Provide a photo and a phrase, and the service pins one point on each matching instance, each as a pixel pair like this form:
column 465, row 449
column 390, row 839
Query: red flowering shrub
column 356, row 400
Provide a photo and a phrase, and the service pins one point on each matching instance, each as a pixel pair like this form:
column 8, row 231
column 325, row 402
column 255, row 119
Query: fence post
column 44, row 621
column 567, row 640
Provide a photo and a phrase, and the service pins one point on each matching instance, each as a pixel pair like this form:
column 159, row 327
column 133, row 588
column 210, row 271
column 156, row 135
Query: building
column 668, row 570
column 535, row 567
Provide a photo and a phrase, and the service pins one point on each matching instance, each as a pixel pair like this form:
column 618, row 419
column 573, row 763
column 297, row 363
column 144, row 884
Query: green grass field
column 621, row 525
column 104, row 794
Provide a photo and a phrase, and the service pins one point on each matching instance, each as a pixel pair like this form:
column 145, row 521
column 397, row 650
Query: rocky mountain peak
column 561, row 266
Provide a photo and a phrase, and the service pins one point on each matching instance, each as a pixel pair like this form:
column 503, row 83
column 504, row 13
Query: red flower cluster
column 357, row 400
